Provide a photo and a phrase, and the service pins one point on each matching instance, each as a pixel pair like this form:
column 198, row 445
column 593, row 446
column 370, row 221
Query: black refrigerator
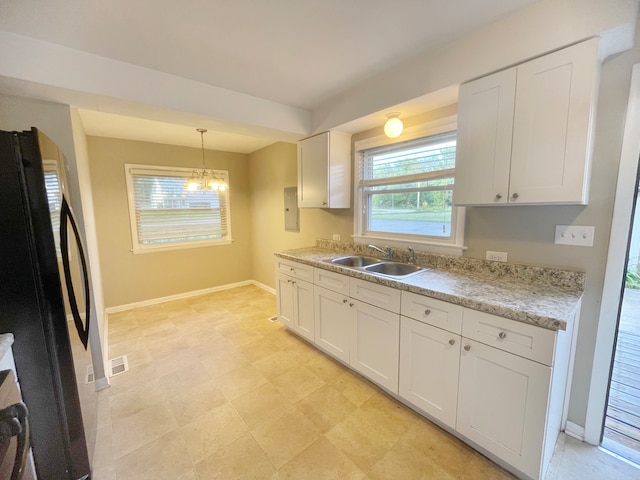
column 46, row 302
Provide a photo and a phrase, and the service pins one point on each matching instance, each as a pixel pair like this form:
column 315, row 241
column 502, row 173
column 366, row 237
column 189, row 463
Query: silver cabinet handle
column 427, row 312
column 452, row 342
column 498, row 196
column 345, row 300
column 467, row 347
column 502, row 334
column 351, row 304
column 514, row 196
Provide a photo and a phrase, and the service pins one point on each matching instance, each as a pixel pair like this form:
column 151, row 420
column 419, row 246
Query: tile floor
column 216, row 391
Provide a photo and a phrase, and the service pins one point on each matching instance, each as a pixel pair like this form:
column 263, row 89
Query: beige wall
column 130, row 278
column 274, row 168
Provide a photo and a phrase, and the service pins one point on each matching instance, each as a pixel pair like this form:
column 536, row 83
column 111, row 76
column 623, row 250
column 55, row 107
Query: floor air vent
column 117, row 366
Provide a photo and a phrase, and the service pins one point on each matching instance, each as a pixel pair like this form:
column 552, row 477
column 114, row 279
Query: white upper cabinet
column 324, row 171
column 524, row 134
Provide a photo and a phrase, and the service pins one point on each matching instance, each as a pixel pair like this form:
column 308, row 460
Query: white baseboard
column 264, row 287
column 575, row 431
column 179, row 296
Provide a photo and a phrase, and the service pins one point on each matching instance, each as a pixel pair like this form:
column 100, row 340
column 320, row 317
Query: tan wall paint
column 130, row 278
column 274, row 168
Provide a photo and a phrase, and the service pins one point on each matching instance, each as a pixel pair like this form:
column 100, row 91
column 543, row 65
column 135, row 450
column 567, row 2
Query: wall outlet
column 336, row 237
column 574, row 235
column 496, row 256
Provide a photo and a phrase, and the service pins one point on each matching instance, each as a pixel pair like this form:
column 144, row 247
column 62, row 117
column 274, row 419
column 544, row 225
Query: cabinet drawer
column 375, row 294
column 294, row 269
column 434, row 312
column 331, row 280
column 528, row 341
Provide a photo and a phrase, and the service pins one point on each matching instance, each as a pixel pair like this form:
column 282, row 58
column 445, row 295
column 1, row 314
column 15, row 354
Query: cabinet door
column 375, row 343
column 552, row 128
column 313, row 158
column 429, row 363
column 332, row 322
column 483, row 151
column 304, row 312
column 502, row 404
column 285, row 299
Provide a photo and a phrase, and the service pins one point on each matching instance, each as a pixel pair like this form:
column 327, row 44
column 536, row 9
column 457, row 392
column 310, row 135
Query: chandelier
column 205, row 179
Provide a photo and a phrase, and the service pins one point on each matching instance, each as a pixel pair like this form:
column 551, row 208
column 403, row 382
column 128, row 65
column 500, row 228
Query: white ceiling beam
column 27, row 59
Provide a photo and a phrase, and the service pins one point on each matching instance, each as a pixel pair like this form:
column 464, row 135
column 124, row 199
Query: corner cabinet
column 324, row 171
column 524, row 134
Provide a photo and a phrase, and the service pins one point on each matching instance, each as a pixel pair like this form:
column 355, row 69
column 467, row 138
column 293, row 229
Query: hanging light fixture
column 205, row 179
column 393, row 127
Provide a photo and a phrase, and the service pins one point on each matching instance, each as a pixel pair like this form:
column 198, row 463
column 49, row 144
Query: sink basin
column 355, row 261
column 393, row 269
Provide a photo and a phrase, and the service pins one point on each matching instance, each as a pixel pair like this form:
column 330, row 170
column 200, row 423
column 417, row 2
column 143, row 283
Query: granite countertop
column 540, row 296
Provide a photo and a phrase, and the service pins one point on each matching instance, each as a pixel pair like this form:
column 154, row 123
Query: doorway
column 621, row 432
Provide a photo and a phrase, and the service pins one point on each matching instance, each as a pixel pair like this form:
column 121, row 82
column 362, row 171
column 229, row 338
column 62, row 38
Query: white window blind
column 411, row 162
column 165, row 213
column 54, row 197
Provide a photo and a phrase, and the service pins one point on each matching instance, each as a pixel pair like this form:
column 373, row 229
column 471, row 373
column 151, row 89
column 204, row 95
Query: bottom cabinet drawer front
column 375, row 294
column 297, row 270
column 331, row 280
column 528, row 341
column 434, row 312
column 502, row 404
column 429, row 364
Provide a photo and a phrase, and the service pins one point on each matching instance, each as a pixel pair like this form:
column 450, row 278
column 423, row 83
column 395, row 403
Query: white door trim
column 615, row 265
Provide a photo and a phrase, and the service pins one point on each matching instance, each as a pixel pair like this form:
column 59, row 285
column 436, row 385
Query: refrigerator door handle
column 66, row 215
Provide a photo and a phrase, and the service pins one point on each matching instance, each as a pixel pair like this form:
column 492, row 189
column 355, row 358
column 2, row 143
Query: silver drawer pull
column 467, row 347
column 427, row 312
column 498, row 196
column 502, row 335
column 351, row 304
column 452, row 342
column 345, row 300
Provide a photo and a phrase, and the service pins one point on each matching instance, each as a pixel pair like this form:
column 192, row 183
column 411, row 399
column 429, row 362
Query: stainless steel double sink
column 388, row 268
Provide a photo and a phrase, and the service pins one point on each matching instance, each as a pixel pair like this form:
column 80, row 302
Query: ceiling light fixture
column 205, row 179
column 393, row 127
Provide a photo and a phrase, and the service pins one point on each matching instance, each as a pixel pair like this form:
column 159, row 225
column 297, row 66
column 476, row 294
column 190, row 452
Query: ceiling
column 290, row 52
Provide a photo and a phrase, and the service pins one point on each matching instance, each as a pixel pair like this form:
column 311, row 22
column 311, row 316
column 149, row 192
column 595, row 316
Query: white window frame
column 137, row 247
column 452, row 246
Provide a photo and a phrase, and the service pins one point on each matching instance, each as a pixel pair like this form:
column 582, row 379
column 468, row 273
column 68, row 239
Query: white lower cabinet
column 332, row 322
column 294, row 300
column 497, row 383
column 502, row 404
column 375, row 344
column 429, row 362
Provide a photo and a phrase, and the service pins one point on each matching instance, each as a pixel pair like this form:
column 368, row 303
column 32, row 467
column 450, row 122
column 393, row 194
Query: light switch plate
column 581, row 236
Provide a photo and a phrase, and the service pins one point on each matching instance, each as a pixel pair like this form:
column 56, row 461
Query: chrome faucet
column 412, row 256
column 388, row 252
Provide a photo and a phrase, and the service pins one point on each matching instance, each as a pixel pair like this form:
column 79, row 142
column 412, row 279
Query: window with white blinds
column 164, row 214
column 407, row 187
column 54, row 197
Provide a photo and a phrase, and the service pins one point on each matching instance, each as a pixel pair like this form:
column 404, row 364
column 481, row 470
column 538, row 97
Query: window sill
column 181, row 246
column 424, row 245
